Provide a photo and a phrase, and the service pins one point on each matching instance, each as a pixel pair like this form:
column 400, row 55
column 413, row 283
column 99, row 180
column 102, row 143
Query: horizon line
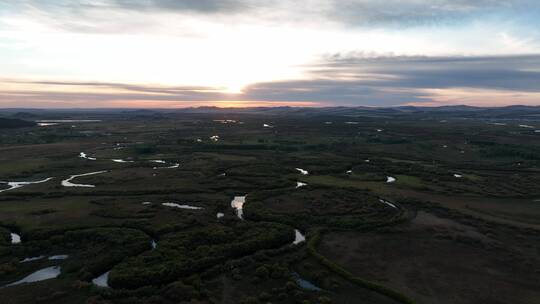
column 273, row 107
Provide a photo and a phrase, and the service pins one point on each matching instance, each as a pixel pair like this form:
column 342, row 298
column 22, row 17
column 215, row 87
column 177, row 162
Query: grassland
column 460, row 223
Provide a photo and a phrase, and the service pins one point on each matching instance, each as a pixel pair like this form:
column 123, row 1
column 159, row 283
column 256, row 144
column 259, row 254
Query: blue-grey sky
column 166, row 53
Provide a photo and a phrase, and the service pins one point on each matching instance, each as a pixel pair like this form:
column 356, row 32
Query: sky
column 231, row 53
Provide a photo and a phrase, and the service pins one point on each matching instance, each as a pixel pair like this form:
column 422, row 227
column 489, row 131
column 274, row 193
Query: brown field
column 436, row 260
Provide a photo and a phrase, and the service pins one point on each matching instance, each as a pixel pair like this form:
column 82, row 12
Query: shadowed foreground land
column 408, row 207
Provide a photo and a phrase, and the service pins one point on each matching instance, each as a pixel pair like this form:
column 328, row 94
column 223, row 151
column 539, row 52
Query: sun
column 234, row 88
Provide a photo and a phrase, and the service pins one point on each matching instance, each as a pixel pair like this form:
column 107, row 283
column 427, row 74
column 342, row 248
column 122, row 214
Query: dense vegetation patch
column 182, row 254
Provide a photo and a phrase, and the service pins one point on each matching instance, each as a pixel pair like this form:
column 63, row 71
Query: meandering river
column 68, row 183
column 238, row 204
column 40, row 275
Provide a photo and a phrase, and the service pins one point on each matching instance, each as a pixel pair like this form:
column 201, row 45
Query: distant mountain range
column 459, row 111
column 510, row 112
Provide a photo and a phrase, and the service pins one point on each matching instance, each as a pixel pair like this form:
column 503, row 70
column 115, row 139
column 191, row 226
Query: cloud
column 81, row 92
column 332, row 92
column 119, row 16
column 393, row 80
column 418, row 12
column 400, row 13
column 515, row 72
column 211, row 50
column 204, row 6
column 339, row 79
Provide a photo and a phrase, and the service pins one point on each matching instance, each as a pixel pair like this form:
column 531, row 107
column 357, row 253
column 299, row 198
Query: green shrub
column 262, row 272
